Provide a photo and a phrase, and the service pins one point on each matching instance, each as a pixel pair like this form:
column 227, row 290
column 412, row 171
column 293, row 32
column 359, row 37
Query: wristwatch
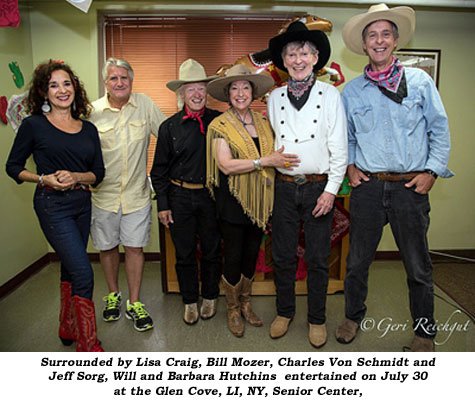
column 431, row 172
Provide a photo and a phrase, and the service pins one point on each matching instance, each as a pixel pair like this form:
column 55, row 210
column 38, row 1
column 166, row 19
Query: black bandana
column 391, row 81
column 299, row 91
column 401, row 91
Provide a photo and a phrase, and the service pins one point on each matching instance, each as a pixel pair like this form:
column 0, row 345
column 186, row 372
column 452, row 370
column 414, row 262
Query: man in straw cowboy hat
column 309, row 120
column 399, row 143
column 122, row 206
column 184, row 203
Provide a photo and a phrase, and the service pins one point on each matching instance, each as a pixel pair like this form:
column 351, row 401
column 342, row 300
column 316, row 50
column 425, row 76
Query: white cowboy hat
column 262, row 83
column 403, row 17
column 190, row 72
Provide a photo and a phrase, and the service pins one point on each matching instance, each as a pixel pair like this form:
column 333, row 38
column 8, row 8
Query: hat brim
column 319, row 38
column 403, row 17
column 262, row 83
column 176, row 84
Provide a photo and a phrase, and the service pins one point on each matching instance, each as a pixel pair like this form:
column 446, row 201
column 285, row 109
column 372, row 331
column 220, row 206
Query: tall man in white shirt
column 308, row 120
column 121, row 209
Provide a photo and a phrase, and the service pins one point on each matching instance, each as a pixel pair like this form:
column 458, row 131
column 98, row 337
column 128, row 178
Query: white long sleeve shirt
column 317, row 133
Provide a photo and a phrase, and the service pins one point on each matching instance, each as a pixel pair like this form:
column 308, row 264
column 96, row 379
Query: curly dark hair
column 39, row 89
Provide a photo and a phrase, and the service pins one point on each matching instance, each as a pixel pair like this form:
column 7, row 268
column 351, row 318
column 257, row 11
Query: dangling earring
column 46, row 107
column 73, row 107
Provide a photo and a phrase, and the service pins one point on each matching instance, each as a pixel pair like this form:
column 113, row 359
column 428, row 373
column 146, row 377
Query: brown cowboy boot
column 86, row 333
column 246, row 309
column 422, row 345
column 232, row 294
column 66, row 323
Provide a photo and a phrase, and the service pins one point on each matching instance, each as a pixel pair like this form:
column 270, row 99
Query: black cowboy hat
column 297, row 31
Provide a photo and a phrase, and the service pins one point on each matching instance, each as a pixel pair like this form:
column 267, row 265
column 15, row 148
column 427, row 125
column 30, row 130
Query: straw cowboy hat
column 403, row 17
column 190, row 72
column 262, row 83
column 297, row 31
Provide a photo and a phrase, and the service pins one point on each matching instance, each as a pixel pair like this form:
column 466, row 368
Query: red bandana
column 195, row 115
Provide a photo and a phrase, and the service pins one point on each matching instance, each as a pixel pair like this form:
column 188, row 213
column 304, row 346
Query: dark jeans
column 194, row 214
column 293, row 204
column 65, row 218
column 241, row 248
column 372, row 205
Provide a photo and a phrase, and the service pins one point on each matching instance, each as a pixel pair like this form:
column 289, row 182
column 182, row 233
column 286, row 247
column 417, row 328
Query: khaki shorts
column 108, row 229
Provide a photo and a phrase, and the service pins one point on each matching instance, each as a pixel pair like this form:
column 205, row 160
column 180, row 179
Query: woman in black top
column 68, row 157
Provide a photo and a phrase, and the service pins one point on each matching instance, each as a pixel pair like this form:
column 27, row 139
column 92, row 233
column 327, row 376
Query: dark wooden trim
column 24, row 275
column 43, row 261
column 435, row 257
column 149, row 257
column 388, row 255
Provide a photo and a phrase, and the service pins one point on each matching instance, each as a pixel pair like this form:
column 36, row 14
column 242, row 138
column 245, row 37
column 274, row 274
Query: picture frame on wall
column 425, row 59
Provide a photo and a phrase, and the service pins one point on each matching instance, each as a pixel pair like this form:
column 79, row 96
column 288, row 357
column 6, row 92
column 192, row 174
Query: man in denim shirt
column 399, row 142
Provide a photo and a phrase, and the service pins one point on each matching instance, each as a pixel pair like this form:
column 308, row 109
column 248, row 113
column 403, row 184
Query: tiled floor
column 29, row 319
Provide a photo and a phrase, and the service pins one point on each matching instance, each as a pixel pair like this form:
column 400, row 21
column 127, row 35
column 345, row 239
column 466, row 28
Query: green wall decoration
column 17, row 75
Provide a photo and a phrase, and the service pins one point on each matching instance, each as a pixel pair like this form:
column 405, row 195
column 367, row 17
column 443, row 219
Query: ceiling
column 392, row 3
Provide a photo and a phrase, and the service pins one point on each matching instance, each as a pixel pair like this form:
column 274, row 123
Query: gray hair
column 299, row 45
column 112, row 61
column 393, row 26
column 180, row 97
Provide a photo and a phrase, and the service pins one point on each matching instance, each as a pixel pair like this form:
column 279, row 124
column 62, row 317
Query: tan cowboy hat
column 262, row 83
column 190, row 72
column 403, row 17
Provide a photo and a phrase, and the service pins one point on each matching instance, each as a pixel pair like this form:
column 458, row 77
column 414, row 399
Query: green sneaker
column 112, row 309
column 141, row 318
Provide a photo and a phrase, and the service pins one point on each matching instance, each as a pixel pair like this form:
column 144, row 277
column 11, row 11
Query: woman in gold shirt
column 240, row 174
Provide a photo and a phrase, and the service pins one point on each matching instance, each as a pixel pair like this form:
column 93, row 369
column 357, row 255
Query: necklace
column 243, row 121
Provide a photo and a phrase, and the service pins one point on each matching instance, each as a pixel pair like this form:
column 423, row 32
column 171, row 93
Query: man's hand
column 165, row 217
column 423, row 183
column 355, row 176
column 324, row 204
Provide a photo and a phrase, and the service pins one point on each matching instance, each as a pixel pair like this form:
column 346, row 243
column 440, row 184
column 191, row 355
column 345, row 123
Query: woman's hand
column 52, row 182
column 324, row 204
column 66, row 178
column 280, row 160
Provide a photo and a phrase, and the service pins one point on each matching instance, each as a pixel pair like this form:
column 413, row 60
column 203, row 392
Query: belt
column 75, row 187
column 302, row 179
column 187, row 185
column 392, row 177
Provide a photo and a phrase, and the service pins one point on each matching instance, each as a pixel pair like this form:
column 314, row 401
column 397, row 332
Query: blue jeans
column 194, row 214
column 65, row 218
column 372, row 205
column 293, row 204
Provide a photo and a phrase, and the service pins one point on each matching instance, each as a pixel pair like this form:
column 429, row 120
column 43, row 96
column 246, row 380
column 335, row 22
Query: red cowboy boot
column 66, row 322
column 85, row 319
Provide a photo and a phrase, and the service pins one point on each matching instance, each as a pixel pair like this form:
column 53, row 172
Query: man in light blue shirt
column 398, row 142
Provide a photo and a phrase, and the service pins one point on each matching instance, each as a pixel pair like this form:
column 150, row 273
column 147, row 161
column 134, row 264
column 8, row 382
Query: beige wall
column 21, row 239
column 58, row 30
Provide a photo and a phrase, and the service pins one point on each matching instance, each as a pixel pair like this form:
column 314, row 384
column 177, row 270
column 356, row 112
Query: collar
column 183, row 113
column 105, row 104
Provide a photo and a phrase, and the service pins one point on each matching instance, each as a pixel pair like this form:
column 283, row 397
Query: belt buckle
column 300, row 179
